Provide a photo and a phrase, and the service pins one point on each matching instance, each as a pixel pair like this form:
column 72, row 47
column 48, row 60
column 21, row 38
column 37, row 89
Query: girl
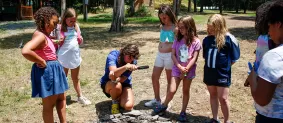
column 185, row 51
column 116, row 82
column 69, row 53
column 47, row 75
column 220, row 51
column 163, row 58
column 267, row 88
column 264, row 43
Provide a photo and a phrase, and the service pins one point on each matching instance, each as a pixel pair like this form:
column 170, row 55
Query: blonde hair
column 190, row 26
column 218, row 23
column 70, row 12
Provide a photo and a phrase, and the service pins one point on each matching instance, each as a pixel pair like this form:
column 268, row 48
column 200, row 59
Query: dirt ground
column 17, row 106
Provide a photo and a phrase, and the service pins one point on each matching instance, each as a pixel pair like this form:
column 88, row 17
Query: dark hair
column 261, row 24
column 43, row 15
column 165, row 9
column 131, row 50
column 275, row 13
column 70, row 12
column 190, row 26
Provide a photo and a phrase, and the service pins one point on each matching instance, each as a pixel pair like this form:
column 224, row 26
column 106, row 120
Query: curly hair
column 43, row 15
column 261, row 24
column 275, row 13
column 131, row 50
column 190, row 26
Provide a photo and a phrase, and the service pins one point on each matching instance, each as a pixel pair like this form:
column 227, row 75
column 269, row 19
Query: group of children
column 178, row 52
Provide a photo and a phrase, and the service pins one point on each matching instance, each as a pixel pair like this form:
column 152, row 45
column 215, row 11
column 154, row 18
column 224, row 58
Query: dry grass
column 15, row 89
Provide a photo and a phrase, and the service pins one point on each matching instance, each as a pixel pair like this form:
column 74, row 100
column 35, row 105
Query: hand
column 182, row 69
column 131, row 67
column 112, row 76
column 251, row 79
column 41, row 65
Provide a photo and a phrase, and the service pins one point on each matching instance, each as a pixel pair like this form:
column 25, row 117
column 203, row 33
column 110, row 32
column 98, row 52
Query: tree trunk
column 179, row 6
column 85, row 10
column 246, row 4
column 132, row 8
column 63, row 6
column 118, row 16
column 189, row 5
column 195, row 6
column 175, row 7
column 201, row 6
column 237, row 6
column 150, row 3
column 220, row 6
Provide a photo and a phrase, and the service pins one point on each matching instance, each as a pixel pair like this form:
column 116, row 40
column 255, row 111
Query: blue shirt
column 217, row 66
column 112, row 60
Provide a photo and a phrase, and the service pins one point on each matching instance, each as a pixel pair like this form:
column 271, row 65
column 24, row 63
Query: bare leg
column 48, row 105
column 186, row 93
column 61, row 107
column 114, row 89
column 223, row 93
column 173, row 88
column 127, row 99
column 213, row 101
column 155, row 81
column 76, row 82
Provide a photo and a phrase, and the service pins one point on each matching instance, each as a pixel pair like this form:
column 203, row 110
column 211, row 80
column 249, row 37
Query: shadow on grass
column 14, row 41
column 243, row 33
column 100, row 37
column 17, row 25
column 190, row 118
column 247, row 18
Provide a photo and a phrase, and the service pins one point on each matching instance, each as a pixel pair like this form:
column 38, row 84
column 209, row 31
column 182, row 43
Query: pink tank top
column 48, row 53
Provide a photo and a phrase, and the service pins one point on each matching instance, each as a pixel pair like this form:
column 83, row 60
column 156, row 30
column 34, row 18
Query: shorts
column 124, row 85
column 164, row 60
column 190, row 75
column 220, row 83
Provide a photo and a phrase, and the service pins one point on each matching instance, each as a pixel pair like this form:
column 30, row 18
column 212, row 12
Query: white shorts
column 164, row 60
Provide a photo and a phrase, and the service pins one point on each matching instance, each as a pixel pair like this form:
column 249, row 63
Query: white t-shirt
column 271, row 70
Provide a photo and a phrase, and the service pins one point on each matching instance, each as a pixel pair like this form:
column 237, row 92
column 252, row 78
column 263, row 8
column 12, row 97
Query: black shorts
column 108, row 95
column 263, row 119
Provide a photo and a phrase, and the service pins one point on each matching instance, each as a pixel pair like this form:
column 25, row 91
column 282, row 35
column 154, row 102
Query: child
column 163, row 58
column 267, row 89
column 69, row 51
column 47, row 76
column 185, row 51
column 117, row 81
column 220, row 51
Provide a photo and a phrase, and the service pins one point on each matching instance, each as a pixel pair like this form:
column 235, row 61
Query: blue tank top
column 167, row 35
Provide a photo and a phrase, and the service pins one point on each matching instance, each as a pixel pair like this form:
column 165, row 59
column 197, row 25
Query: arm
column 175, row 61
column 270, row 73
column 261, row 90
column 78, row 30
column 37, row 42
column 193, row 60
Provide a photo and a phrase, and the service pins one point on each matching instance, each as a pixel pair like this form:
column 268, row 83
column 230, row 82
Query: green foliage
column 143, row 12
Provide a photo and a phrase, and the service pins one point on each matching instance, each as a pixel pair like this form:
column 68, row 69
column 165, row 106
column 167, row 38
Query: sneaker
column 182, row 117
column 115, row 108
column 83, row 100
column 152, row 103
column 213, row 121
column 159, row 108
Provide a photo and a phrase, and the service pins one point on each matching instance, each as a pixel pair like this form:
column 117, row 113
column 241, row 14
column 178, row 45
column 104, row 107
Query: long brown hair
column 190, row 26
column 165, row 9
column 131, row 50
column 70, row 12
column 219, row 26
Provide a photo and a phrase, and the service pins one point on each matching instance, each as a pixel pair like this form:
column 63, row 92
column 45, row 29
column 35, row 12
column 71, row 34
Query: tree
column 63, row 6
column 246, row 4
column 195, row 5
column 189, row 5
column 176, row 6
column 150, row 3
column 237, row 6
column 118, row 16
column 221, row 6
column 201, row 5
